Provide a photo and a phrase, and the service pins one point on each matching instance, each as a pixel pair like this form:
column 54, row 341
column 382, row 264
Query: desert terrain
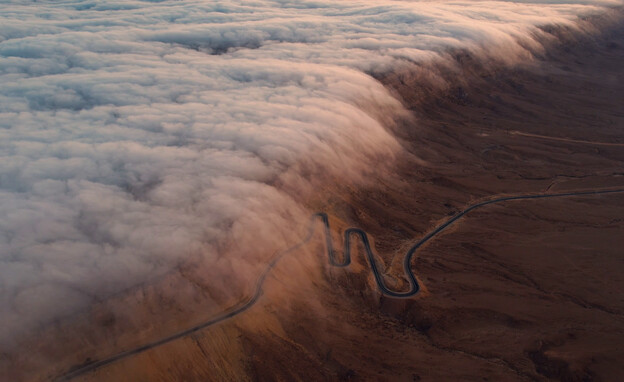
column 521, row 290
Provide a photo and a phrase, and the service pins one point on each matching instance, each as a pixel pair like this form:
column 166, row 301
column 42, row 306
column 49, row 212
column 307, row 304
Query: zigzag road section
column 348, row 234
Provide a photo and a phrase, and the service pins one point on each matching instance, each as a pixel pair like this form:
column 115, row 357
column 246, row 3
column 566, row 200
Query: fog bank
column 137, row 136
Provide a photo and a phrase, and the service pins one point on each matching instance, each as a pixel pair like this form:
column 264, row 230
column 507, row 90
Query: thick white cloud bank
column 137, row 135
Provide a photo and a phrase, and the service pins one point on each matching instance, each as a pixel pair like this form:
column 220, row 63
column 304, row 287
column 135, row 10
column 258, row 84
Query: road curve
column 348, row 235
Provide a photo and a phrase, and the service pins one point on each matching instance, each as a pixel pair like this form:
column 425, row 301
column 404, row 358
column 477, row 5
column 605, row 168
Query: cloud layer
column 136, row 136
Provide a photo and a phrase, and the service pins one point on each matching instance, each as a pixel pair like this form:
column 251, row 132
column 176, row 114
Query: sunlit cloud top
column 137, row 135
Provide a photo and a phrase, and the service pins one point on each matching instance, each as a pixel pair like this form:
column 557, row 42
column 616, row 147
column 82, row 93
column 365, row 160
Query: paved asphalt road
column 348, row 235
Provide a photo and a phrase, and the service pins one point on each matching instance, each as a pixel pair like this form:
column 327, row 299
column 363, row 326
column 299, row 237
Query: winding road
column 348, row 236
